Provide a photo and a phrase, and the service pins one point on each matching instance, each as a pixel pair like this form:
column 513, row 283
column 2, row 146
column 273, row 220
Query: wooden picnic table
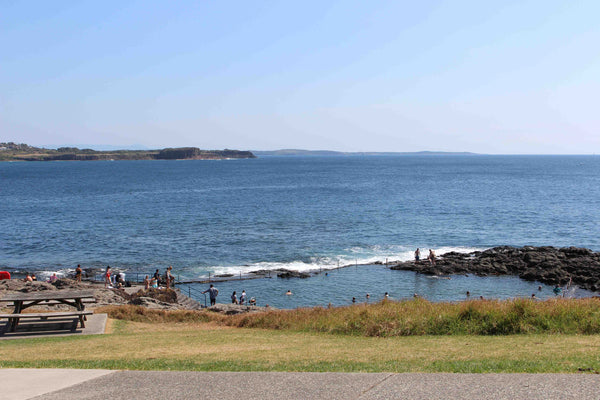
column 73, row 298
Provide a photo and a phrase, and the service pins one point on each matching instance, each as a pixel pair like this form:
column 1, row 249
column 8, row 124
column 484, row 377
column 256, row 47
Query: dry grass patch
column 420, row 317
column 143, row 314
column 405, row 318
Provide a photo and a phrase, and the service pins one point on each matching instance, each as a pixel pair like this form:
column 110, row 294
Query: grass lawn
column 208, row 346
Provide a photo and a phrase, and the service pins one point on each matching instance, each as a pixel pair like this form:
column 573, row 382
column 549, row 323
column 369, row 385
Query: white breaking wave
column 360, row 256
column 45, row 275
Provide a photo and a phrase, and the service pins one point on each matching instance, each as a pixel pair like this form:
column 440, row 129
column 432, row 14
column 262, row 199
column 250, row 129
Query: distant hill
column 99, row 147
column 298, row 152
column 22, row 152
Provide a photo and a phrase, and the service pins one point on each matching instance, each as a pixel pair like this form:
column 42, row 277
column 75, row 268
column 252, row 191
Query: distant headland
column 299, row 152
column 21, row 152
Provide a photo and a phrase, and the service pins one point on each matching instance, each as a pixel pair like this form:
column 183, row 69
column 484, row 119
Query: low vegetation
column 407, row 318
column 143, row 314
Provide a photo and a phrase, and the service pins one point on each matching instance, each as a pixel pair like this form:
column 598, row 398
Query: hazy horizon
column 100, row 147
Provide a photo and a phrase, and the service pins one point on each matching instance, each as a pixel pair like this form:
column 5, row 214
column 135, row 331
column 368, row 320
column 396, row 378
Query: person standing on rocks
column 78, row 273
column 169, row 277
column 243, row 297
column 431, row 257
column 213, row 292
column 107, row 281
column 417, row 255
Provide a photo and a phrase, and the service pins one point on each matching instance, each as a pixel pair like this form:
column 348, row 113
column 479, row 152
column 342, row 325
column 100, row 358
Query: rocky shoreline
column 158, row 299
column 548, row 265
column 172, row 300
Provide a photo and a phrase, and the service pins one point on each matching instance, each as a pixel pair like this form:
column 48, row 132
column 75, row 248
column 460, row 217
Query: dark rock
column 163, row 295
column 36, row 287
column 546, row 264
column 153, row 303
column 284, row 273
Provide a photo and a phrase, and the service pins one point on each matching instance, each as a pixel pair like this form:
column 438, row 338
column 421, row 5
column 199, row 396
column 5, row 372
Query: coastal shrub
column 404, row 318
column 143, row 314
column 420, row 317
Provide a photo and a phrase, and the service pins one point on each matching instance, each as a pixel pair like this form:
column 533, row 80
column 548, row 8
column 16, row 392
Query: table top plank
column 49, row 295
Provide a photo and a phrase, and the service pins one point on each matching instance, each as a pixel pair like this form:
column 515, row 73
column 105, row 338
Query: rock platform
column 549, row 265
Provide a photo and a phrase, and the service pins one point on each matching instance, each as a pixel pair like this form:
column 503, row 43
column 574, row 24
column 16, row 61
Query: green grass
column 411, row 336
column 481, row 366
column 209, row 347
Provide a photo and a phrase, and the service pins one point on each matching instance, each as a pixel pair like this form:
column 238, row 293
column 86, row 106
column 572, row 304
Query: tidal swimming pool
column 338, row 287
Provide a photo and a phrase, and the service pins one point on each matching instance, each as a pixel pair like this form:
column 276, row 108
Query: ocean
column 296, row 212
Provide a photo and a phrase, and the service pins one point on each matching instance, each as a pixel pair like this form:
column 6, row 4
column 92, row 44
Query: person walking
column 213, row 292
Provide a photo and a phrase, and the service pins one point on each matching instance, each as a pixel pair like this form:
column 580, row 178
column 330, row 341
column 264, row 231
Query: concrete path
column 21, row 384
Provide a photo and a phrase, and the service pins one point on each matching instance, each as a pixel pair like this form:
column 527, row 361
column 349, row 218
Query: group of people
column 156, row 280
column 430, row 257
column 242, row 300
column 117, row 280
column 30, row 278
column 33, row 278
column 213, row 292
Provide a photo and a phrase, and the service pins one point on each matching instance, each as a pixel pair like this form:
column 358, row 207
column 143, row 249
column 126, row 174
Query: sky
column 496, row 77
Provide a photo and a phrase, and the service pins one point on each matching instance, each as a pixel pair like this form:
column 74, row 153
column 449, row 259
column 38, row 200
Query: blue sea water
column 301, row 213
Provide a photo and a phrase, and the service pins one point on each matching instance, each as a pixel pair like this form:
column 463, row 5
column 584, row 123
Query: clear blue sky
column 481, row 76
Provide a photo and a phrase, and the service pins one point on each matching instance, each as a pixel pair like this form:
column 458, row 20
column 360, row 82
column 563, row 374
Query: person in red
column 107, row 280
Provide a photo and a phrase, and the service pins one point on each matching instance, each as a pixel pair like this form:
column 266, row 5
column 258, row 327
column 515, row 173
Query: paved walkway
column 65, row 384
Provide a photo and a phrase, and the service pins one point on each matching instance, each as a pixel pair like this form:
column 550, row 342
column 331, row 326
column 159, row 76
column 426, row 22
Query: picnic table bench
column 74, row 316
column 73, row 298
